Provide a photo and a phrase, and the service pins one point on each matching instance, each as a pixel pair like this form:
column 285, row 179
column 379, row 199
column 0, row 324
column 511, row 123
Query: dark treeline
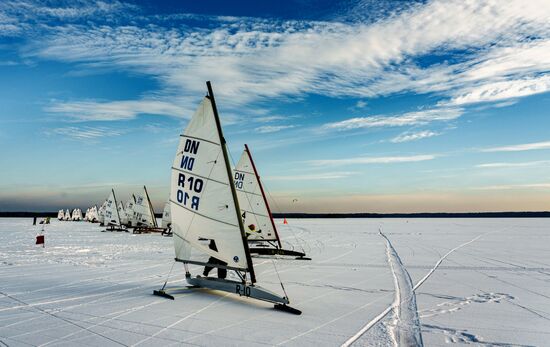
column 544, row 214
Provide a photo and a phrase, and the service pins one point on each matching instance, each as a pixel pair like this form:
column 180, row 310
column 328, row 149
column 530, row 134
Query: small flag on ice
column 40, row 240
column 285, row 222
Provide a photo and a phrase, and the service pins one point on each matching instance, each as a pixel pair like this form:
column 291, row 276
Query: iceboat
column 261, row 232
column 112, row 214
column 204, row 206
column 144, row 220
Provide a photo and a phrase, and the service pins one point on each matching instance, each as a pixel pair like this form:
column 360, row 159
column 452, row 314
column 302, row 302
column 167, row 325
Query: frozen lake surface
column 434, row 282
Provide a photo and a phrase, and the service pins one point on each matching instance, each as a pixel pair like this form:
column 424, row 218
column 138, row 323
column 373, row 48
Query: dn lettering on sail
column 189, row 189
column 239, row 179
column 191, row 147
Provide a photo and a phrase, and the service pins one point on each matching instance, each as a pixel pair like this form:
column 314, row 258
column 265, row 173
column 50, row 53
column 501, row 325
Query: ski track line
column 419, row 283
column 100, row 278
column 70, row 299
column 150, row 278
column 333, row 320
column 19, row 342
column 255, row 317
column 63, row 319
column 378, row 318
column 181, row 320
column 92, row 317
column 268, row 272
column 88, row 303
column 128, row 311
column 530, row 310
column 406, row 328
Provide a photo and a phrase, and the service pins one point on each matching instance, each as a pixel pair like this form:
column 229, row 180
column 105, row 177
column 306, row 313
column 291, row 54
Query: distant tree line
column 541, row 214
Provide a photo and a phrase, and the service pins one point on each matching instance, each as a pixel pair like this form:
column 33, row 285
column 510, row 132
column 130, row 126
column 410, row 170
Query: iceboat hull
column 240, row 288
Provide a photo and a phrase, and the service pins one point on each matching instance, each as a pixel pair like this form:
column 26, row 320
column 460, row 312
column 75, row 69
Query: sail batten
column 203, row 177
column 196, row 138
column 214, row 219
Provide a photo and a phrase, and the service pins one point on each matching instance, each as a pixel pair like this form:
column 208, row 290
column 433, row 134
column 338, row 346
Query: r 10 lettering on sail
column 193, row 185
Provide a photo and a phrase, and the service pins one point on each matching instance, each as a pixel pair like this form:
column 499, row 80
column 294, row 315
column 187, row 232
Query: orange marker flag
column 40, row 240
column 285, row 222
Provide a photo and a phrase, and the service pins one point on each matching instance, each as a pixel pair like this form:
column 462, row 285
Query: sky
column 347, row 106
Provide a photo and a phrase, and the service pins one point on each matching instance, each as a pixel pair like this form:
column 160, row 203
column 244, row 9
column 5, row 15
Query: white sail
column 101, row 213
column 122, row 213
column 166, row 216
column 128, row 216
column 254, row 210
column 67, row 215
column 111, row 211
column 143, row 211
column 60, row 215
column 201, row 200
column 77, row 215
column 94, row 216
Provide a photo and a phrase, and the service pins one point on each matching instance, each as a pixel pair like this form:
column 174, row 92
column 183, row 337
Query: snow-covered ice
column 477, row 281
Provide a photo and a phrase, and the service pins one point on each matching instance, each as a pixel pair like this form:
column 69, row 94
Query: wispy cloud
column 273, row 128
column 85, row 133
column 512, row 165
column 77, row 9
column 372, row 160
column 519, row 148
column 406, row 137
column 308, row 177
column 258, row 59
column 361, row 104
column 505, row 90
column 515, row 186
column 410, row 118
column 117, row 110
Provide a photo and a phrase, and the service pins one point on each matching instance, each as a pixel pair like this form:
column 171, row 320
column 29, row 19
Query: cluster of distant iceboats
column 219, row 216
column 136, row 213
column 75, row 215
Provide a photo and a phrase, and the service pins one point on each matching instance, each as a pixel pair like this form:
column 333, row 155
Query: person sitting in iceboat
column 252, row 230
column 222, row 273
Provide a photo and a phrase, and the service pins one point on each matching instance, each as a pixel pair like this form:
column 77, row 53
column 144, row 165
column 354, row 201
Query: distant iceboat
column 144, row 215
column 77, row 215
column 129, row 211
column 112, row 216
column 101, row 213
column 67, row 215
column 93, row 216
column 166, row 222
column 255, row 212
column 204, row 206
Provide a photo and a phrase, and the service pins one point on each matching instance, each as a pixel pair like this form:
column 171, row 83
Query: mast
column 231, row 183
column 263, row 194
column 116, row 208
column 151, row 208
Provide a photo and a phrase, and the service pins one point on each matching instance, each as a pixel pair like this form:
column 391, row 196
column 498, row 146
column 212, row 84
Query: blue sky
column 351, row 106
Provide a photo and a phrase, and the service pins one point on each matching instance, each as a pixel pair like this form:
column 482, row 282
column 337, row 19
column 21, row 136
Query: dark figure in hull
column 222, row 273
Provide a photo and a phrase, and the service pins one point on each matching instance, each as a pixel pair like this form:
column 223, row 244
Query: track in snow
column 405, row 325
column 384, row 313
